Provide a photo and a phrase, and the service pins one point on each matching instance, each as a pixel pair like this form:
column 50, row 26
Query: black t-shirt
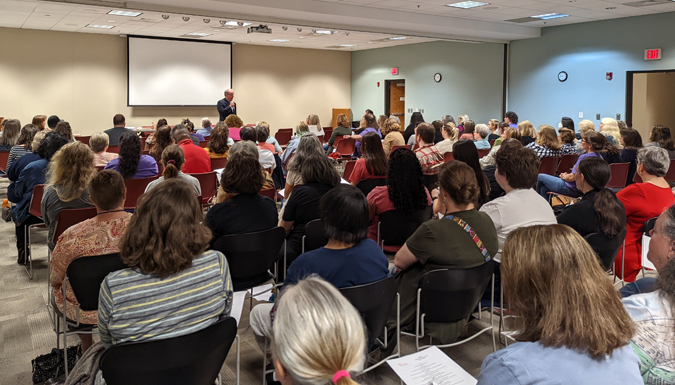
column 303, row 205
column 629, row 155
column 492, row 137
column 495, row 189
column 582, row 216
column 243, row 213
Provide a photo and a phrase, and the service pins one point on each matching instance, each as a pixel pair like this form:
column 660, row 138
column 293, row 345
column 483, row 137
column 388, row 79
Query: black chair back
column 367, row 185
column 450, row 295
column 606, row 248
column 374, row 301
column 315, row 236
column 251, row 256
column 431, row 182
column 86, row 274
column 396, row 226
column 194, row 358
column 649, row 225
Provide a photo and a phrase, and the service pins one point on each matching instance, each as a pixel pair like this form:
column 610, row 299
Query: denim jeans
column 548, row 183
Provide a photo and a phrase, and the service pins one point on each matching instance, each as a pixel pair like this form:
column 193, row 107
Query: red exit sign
column 653, row 54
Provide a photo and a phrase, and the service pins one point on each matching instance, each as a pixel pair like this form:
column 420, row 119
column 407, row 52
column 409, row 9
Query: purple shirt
column 573, row 185
column 363, row 133
column 147, row 167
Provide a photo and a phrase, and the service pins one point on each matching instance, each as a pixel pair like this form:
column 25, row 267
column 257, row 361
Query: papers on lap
column 430, row 367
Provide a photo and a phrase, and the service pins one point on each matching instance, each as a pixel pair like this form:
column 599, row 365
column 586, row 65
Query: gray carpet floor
column 26, row 329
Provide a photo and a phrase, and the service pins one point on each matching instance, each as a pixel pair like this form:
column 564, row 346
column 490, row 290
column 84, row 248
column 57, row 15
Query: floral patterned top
column 84, row 239
column 102, row 158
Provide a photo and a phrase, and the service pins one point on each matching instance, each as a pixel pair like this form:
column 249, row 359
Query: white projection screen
column 175, row 72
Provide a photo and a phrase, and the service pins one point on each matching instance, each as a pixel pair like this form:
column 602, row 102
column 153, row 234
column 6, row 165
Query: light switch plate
column 618, row 116
column 597, row 116
column 581, row 115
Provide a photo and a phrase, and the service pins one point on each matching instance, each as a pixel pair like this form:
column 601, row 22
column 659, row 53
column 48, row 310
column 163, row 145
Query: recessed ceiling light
column 279, row 40
column 322, row 32
column 398, row 38
column 467, row 4
column 100, row 26
column 201, row 34
column 237, row 24
column 125, row 13
column 549, row 16
column 347, row 45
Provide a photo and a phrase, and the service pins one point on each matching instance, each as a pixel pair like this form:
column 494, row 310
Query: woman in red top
column 642, row 202
column 404, row 190
column 374, row 161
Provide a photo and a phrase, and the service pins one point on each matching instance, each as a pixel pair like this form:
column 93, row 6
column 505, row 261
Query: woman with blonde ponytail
column 172, row 160
column 319, row 337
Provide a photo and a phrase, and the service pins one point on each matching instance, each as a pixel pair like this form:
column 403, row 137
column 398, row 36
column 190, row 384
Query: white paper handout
column 430, row 366
column 262, row 293
column 238, row 305
column 646, row 263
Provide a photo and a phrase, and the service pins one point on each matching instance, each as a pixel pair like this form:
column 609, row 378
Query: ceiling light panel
column 100, row 26
column 467, row 4
column 549, row 16
column 279, row 40
column 125, row 13
column 200, row 34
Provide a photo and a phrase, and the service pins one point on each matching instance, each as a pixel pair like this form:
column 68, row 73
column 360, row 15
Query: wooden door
column 397, row 98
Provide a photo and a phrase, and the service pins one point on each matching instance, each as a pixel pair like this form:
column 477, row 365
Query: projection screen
column 175, row 72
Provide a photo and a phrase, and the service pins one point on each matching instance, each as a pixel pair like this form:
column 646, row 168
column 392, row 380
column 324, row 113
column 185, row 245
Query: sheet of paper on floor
column 430, row 366
column 262, row 293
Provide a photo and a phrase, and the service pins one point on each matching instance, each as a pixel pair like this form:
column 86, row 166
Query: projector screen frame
column 175, row 39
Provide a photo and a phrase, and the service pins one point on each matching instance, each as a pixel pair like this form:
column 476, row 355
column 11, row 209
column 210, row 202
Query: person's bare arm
column 404, row 258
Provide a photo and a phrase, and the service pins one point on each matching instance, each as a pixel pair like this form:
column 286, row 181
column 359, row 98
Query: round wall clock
column 437, row 77
column 562, row 76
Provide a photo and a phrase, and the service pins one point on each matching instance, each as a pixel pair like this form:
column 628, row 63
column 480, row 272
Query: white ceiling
column 364, row 23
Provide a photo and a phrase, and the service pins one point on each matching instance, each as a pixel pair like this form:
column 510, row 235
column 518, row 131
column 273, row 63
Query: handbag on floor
column 50, row 365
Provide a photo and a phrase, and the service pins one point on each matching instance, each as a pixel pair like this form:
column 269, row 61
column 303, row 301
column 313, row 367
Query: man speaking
column 226, row 106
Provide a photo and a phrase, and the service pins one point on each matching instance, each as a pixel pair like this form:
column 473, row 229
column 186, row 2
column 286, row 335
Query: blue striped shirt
column 134, row 306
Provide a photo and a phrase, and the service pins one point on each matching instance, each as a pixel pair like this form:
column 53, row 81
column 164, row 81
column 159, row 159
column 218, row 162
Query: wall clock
column 437, row 77
column 562, row 76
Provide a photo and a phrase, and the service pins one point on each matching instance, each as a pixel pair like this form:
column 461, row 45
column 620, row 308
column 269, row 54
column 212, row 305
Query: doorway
column 394, row 98
column 650, row 96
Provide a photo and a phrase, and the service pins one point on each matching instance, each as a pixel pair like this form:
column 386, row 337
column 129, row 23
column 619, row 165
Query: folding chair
column 450, row 295
column 619, row 175
column 607, row 250
column 115, row 149
column 314, row 237
column 431, row 182
column 218, row 163
column 283, row 136
column 136, row 188
column 208, row 181
column 670, row 175
column 482, row 153
column 396, row 226
column 548, row 165
column 349, row 168
column 448, row 156
column 567, row 162
column 82, row 139
column 4, row 158
column 203, row 143
column 194, row 358
column 394, row 148
column 345, row 148
column 35, row 209
column 367, row 185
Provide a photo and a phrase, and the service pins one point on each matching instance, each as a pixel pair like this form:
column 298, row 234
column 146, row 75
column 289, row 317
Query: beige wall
column 81, row 78
column 653, row 98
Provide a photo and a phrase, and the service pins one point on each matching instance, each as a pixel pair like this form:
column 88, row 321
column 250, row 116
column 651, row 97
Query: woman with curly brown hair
column 219, row 146
column 234, row 123
column 131, row 164
column 661, row 136
column 393, row 135
column 162, row 140
column 69, row 174
column 574, row 329
column 173, row 285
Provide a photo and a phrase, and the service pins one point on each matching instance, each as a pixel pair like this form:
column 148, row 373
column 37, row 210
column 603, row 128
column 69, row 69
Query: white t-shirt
column 518, row 208
column 314, row 129
column 267, row 159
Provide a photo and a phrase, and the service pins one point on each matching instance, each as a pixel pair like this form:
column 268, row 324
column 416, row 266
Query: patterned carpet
column 26, row 328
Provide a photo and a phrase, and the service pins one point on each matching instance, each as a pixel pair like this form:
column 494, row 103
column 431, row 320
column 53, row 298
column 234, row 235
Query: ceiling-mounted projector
column 259, row 29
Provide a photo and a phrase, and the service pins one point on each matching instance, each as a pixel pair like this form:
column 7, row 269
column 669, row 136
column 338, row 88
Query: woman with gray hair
column 309, row 144
column 300, row 129
column 652, row 310
column 644, row 201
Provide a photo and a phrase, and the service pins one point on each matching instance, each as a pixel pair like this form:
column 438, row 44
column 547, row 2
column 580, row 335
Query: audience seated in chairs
column 489, row 159
column 131, row 163
column 243, row 210
column 173, row 160
column 609, row 127
column 527, row 132
column 449, row 132
column 234, row 123
column 466, row 152
column 573, row 327
column 23, row 144
column 99, row 144
column 301, row 129
column 308, row 145
column 480, row 135
column 220, row 142
column 162, row 140
column 197, row 160
column 632, row 143
column 373, row 164
column 333, row 335
column 547, row 143
column 96, row 236
column 173, row 285
column 599, row 210
column 370, row 123
column 661, row 136
column 348, row 259
column 643, row 201
column 343, row 128
column 262, row 134
column 319, row 177
column 427, row 153
column 567, row 138
column 440, row 243
column 469, row 127
column 206, row 129
column 151, row 139
column 593, row 144
column 405, row 190
column 17, row 166
column 11, row 131
column 68, row 177
column 266, row 157
column 265, row 128
column 196, row 137
column 653, row 310
column 249, row 148
column 393, row 135
column 20, row 191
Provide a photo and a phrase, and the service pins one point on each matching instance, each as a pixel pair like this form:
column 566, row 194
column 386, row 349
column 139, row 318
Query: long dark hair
column 130, row 154
column 373, row 154
column 599, row 143
column 406, row 181
column 162, row 141
column 415, row 119
column 662, row 135
column 611, row 216
column 466, row 151
column 219, row 135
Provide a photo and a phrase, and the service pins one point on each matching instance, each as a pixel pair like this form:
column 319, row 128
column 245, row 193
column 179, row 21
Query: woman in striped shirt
column 23, row 145
column 173, row 286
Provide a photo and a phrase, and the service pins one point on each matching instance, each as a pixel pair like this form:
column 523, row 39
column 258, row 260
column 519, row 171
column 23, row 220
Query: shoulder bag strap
column 472, row 234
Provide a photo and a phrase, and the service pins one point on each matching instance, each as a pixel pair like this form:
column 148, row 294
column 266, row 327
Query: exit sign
column 653, row 54
column 394, row 71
